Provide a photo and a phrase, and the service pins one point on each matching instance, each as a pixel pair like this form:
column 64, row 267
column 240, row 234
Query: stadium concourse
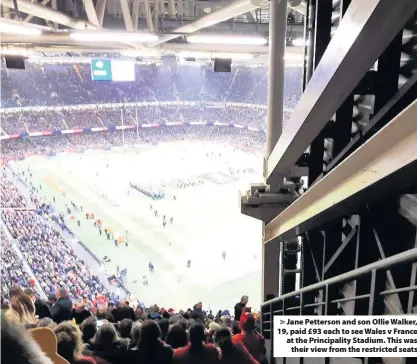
column 121, row 191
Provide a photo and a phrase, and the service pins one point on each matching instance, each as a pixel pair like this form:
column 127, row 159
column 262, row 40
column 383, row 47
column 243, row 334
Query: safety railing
column 321, row 296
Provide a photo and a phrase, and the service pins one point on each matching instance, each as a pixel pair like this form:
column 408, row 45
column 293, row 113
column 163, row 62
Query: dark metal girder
column 340, row 249
column 404, row 96
column 352, row 51
column 387, row 152
column 388, row 72
column 397, row 183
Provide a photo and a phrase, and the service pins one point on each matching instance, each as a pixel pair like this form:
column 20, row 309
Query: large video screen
column 112, row 70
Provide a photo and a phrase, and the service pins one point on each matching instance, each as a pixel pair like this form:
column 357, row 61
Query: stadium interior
column 175, row 173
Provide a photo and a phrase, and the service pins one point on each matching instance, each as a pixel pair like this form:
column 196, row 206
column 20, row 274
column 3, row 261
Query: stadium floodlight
column 195, row 54
column 233, row 55
column 144, row 52
column 298, row 42
column 293, row 57
column 15, row 29
column 226, row 39
column 15, row 52
column 103, row 36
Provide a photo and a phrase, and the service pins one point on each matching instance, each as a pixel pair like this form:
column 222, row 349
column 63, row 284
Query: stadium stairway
column 26, row 127
column 65, row 124
column 22, row 259
column 100, row 120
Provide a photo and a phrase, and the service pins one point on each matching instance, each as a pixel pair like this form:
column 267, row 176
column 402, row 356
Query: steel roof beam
column 29, row 17
column 59, row 38
column 55, row 41
column 222, row 48
column 91, row 12
column 223, row 13
column 54, row 6
column 135, row 14
column 351, row 52
column 100, row 10
column 47, row 13
column 28, row 25
column 298, row 5
column 126, row 15
column 392, row 148
column 148, row 14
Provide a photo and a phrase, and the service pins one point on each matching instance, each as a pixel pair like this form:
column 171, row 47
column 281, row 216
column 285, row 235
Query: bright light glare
column 18, row 29
column 141, row 53
column 224, row 39
column 98, row 36
column 298, row 42
column 293, row 57
column 15, row 52
column 233, row 55
column 39, row 59
column 194, row 54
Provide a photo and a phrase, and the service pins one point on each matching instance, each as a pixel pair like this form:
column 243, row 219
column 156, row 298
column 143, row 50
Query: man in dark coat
column 198, row 313
column 123, row 311
column 42, row 309
column 239, row 307
column 62, row 308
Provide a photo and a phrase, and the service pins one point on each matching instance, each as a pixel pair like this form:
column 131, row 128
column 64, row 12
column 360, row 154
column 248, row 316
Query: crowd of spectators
column 12, row 270
column 88, row 324
column 241, row 138
column 69, row 84
column 119, row 334
column 49, row 256
column 52, row 120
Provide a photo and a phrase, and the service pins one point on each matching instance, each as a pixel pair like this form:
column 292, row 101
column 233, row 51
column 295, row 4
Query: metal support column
column 277, row 39
column 271, row 271
column 171, row 9
column 180, row 9
column 156, row 15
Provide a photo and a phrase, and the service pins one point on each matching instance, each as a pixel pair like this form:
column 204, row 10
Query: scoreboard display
column 112, row 70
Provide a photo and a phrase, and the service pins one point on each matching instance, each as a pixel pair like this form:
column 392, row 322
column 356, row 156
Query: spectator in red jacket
column 232, row 353
column 197, row 352
column 254, row 342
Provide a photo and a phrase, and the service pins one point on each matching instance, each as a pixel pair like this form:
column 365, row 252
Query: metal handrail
column 380, row 264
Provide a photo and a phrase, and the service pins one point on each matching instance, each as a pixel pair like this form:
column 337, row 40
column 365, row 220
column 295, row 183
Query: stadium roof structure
column 145, row 28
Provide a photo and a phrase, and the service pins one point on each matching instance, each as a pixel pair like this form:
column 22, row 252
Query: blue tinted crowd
column 12, row 269
column 91, row 324
column 242, row 138
column 89, row 327
column 51, row 259
column 69, row 84
column 51, row 120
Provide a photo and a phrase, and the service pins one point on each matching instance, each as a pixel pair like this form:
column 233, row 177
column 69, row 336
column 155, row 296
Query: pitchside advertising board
column 345, row 336
column 112, row 70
